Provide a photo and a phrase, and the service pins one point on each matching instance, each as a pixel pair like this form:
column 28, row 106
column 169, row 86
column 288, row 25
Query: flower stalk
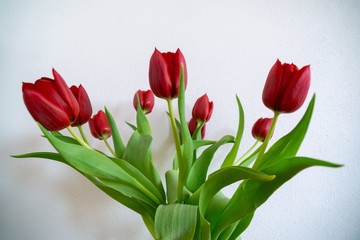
column 79, row 139
column 260, row 157
column 177, row 146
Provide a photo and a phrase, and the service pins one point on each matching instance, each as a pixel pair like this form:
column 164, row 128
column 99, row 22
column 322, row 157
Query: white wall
column 229, row 47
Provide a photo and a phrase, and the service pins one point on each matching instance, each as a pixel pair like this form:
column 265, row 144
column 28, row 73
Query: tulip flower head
column 51, row 102
column 84, row 104
column 202, row 109
column 193, row 125
column 261, row 128
column 146, row 99
column 164, row 73
column 99, row 126
column 286, row 87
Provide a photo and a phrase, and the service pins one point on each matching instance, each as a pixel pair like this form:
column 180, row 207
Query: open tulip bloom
column 188, row 202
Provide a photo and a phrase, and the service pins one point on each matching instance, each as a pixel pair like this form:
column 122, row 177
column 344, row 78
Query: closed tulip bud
column 51, row 102
column 99, row 126
column 202, row 109
column 84, row 104
column 146, row 99
column 164, row 73
column 261, row 128
column 193, row 126
column 286, row 87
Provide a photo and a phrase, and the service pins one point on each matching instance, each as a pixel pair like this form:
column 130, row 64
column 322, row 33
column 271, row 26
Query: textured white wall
column 230, row 47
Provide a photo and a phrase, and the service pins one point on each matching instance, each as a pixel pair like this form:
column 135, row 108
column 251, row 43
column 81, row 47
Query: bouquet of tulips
column 188, row 202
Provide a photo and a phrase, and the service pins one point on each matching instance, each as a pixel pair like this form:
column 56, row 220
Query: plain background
column 229, row 47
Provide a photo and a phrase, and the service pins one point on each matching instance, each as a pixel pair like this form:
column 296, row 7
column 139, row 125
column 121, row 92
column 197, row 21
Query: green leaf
column 132, row 126
column 230, row 158
column 224, row 177
column 171, row 177
column 251, row 194
column 241, row 226
column 118, row 143
column 45, row 155
column 198, row 172
column 132, row 203
column 200, row 143
column 175, row 222
column 95, row 164
column 137, row 154
column 289, row 145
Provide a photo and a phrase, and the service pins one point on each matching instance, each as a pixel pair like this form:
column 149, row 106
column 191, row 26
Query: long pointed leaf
column 230, row 158
column 289, row 145
column 198, row 172
column 224, row 177
column 137, row 154
column 175, row 221
column 251, row 194
column 118, row 143
column 93, row 163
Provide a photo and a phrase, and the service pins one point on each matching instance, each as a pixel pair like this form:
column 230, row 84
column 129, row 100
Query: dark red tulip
column 51, row 102
column 202, row 109
column 286, row 87
column 261, row 128
column 146, row 100
column 192, row 127
column 84, row 104
column 164, row 73
column 99, row 126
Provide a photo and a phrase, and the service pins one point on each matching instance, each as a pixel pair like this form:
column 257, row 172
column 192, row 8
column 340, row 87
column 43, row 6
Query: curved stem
column 177, row 146
column 81, row 141
column 83, row 135
column 109, row 147
column 246, row 153
column 260, row 157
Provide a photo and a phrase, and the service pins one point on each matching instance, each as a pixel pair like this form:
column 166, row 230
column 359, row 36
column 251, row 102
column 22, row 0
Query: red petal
column 272, row 87
column 66, row 94
column 296, row 91
column 159, row 77
column 44, row 111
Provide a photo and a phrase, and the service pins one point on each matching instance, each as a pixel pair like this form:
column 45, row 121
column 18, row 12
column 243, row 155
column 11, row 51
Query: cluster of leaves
column 203, row 212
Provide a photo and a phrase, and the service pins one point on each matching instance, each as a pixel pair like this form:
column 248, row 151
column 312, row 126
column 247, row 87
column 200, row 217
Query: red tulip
column 202, row 109
column 193, row 125
column 286, row 87
column 146, row 100
column 84, row 104
column 261, row 128
column 99, row 126
column 51, row 102
column 164, row 73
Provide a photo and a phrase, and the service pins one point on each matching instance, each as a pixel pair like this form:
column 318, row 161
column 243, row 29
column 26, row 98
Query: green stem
column 246, row 154
column 81, row 141
column 178, row 149
column 109, row 147
column 260, row 157
column 83, row 135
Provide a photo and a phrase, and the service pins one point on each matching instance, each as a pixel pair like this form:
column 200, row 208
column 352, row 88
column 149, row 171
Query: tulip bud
column 286, row 87
column 51, row 102
column 193, row 126
column 99, row 126
column 146, row 100
column 261, row 128
column 202, row 109
column 164, row 73
column 84, row 104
